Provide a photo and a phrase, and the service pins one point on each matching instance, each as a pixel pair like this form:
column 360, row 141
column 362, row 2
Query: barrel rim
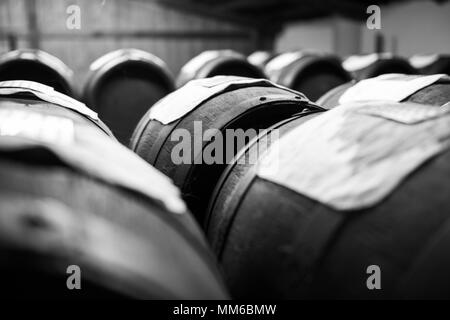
column 106, row 65
column 45, row 59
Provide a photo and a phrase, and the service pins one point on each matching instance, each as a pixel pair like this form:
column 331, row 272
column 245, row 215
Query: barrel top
column 205, row 65
column 45, row 93
column 193, row 65
column 355, row 155
column 425, row 60
column 284, row 60
column 103, row 65
column 196, row 92
column 260, row 58
column 358, row 62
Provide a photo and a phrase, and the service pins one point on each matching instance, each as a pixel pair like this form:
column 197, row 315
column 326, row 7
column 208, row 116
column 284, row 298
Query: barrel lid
column 194, row 93
column 388, row 87
column 355, row 155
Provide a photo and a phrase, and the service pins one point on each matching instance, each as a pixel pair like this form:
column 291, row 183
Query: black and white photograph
column 225, row 158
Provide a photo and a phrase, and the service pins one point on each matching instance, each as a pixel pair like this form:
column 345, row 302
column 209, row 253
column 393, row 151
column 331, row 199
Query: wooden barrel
column 437, row 93
column 277, row 240
column 73, row 197
column 234, row 180
column 218, row 63
column 431, row 64
column 372, row 65
column 122, row 85
column 224, row 104
column 39, row 66
column 311, row 73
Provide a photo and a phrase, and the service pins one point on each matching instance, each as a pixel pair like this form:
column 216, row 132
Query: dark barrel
column 39, row 66
column 122, row 85
column 71, row 196
column 185, row 119
column 275, row 241
column 431, row 64
column 218, row 63
column 372, row 65
column 311, row 73
column 437, row 93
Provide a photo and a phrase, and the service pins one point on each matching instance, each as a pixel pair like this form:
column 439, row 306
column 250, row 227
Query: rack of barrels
column 281, row 176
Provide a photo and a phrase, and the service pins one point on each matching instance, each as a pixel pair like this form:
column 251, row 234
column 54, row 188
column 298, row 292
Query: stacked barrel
column 122, row 85
column 303, row 175
column 372, row 65
column 73, row 199
column 218, row 63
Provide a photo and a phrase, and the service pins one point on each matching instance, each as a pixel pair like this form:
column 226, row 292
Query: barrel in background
column 218, row 62
column 372, row 65
column 39, row 66
column 242, row 105
column 431, row 64
column 311, row 73
column 261, row 58
column 123, row 85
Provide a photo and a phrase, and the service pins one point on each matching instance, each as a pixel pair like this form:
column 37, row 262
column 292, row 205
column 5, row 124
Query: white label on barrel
column 355, row 155
column 123, row 55
column 36, row 126
column 195, row 63
column 45, row 93
column 90, row 152
column 388, row 87
column 40, row 56
column 195, row 92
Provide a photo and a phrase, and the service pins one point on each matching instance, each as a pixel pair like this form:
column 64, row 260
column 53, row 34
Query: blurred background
column 177, row 30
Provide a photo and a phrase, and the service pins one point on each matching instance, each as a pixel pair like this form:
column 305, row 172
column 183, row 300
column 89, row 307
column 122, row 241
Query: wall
column 173, row 35
column 333, row 35
column 413, row 27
